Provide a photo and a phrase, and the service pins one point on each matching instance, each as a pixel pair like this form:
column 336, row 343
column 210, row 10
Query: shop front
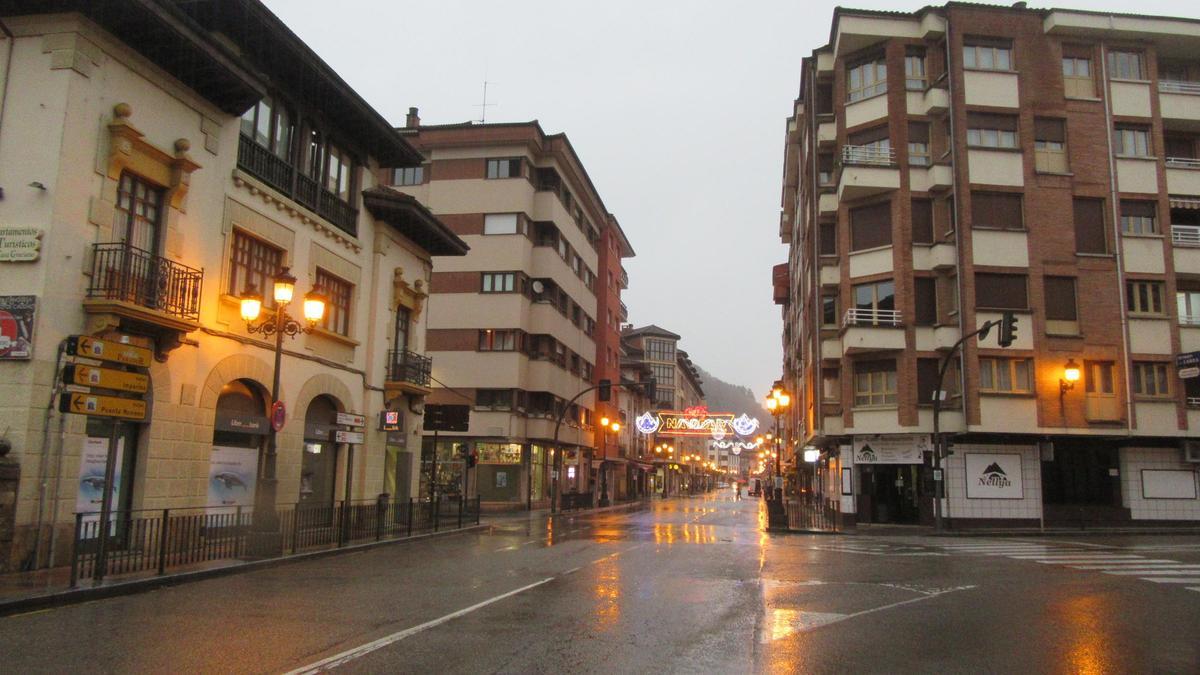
column 240, row 429
column 318, row 462
column 889, row 487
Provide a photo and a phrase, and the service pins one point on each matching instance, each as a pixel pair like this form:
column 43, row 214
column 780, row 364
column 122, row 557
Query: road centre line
column 351, row 654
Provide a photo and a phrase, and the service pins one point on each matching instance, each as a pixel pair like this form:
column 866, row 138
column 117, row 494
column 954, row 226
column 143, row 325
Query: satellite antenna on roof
column 485, row 105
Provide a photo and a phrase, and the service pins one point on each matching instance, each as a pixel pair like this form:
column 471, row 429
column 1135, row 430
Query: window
column 997, row 210
column 1138, row 217
column 918, row 143
column 927, row 380
column 1144, row 297
column 829, row 304
column 338, row 171
column 253, row 265
column 338, row 293
column 1001, row 291
column 870, row 146
column 824, row 170
column 926, row 301
column 499, row 282
column 504, row 168
column 663, row 374
column 987, row 55
column 1132, row 141
column 1090, row 235
column 409, row 175
column 138, row 215
column 866, row 80
column 1098, row 377
column 501, row 223
column 1062, row 316
column 1050, row 145
column 914, row 69
column 831, row 385
column 987, row 130
column 875, row 304
column 1151, row 379
column 270, row 125
column 1187, row 302
column 922, row 221
column 1078, row 81
column 660, row 350
column 1005, row 376
column 1126, row 66
column 828, row 243
column 498, row 340
column 493, row 399
column 874, row 383
column 871, row 226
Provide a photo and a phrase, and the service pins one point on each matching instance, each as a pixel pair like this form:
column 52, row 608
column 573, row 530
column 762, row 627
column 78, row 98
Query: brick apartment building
column 530, row 318
column 951, row 164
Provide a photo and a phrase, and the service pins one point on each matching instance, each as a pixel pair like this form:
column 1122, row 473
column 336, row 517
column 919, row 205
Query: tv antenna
column 485, row 105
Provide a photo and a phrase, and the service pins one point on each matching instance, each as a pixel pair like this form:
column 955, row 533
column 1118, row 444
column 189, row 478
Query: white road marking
column 1119, row 564
column 572, row 571
column 506, row 548
column 1171, row 580
column 830, row 621
column 351, row 654
column 1194, row 588
column 1076, row 556
column 1082, row 561
column 1170, row 572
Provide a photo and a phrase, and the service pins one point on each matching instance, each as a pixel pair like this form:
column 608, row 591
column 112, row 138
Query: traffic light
column 1008, row 329
column 472, row 460
column 605, row 390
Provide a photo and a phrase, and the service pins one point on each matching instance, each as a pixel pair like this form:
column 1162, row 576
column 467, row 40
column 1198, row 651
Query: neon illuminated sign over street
column 697, row 421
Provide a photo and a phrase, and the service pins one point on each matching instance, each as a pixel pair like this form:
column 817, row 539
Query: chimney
column 412, row 120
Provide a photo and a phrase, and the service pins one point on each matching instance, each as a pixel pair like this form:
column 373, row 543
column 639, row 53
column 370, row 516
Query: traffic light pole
column 1007, row 326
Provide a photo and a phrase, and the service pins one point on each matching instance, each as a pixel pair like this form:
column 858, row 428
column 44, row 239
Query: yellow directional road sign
column 102, row 406
column 107, row 350
column 105, row 378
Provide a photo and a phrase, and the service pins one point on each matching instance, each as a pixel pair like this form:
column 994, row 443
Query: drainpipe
column 958, row 246
column 1117, row 253
column 8, row 58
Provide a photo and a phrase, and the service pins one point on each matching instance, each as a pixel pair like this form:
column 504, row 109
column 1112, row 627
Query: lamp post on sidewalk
column 777, row 404
column 278, row 324
column 615, row 427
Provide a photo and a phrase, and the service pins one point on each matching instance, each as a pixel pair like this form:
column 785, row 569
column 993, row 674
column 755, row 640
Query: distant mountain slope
column 722, row 396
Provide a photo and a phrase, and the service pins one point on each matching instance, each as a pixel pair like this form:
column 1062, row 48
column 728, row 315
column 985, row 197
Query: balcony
column 409, row 372
column 624, row 278
column 866, row 170
column 1177, row 99
column 624, row 313
column 136, row 286
column 1185, row 235
column 870, row 330
column 282, row 176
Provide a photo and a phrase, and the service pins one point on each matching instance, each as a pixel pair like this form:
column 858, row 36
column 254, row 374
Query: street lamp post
column 615, row 427
column 266, row 517
column 777, row 405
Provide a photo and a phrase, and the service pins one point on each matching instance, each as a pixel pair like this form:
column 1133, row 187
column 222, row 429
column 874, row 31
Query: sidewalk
column 868, row 529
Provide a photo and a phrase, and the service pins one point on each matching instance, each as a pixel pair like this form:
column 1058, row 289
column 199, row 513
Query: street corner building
column 1035, row 172
column 524, row 326
column 161, row 163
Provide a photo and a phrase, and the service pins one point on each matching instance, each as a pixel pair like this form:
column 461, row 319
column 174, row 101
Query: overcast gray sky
column 677, row 110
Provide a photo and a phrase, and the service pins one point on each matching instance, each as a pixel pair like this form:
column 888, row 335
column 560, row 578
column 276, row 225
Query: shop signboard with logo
column 17, row 314
column 993, row 476
column 1188, row 365
column 20, row 244
column 891, row 449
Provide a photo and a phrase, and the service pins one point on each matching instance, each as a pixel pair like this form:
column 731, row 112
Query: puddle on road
column 782, row 623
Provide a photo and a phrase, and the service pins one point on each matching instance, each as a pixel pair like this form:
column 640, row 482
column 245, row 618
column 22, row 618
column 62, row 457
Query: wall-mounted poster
column 17, row 314
column 232, row 475
column 91, row 479
column 993, row 476
column 891, row 449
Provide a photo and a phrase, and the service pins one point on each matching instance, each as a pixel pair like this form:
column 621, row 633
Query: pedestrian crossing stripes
column 1123, row 563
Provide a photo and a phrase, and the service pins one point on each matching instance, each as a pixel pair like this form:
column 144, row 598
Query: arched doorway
column 240, row 428
column 318, row 465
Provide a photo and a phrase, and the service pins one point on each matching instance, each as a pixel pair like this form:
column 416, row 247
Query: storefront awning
column 1181, row 202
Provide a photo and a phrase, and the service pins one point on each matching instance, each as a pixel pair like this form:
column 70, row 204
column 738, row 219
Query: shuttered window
column 1139, row 217
column 922, row 221
column 1089, row 226
column 870, row 226
column 828, row 243
column 1001, row 291
column 926, row 301
column 1060, row 299
column 998, row 210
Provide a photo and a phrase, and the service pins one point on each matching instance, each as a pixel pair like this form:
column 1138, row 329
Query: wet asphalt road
column 688, row 586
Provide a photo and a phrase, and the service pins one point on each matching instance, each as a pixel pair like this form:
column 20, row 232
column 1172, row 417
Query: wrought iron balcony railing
column 867, row 155
column 281, row 175
column 1185, row 235
column 1178, row 87
column 1182, row 163
column 872, row 317
column 128, row 274
column 1189, row 319
column 407, row 366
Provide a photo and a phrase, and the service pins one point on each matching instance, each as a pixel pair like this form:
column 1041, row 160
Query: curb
column 788, row 530
column 1071, row 533
column 81, row 595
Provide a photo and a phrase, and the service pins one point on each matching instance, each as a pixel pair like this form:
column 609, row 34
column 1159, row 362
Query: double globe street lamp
column 277, row 323
column 778, row 403
column 615, row 427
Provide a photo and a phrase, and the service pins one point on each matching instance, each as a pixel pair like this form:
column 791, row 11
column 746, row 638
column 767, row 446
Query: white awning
column 1185, row 202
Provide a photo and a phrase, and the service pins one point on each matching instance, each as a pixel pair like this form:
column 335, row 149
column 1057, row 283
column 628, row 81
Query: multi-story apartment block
column 530, row 318
column 952, row 164
column 159, row 160
column 677, row 387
